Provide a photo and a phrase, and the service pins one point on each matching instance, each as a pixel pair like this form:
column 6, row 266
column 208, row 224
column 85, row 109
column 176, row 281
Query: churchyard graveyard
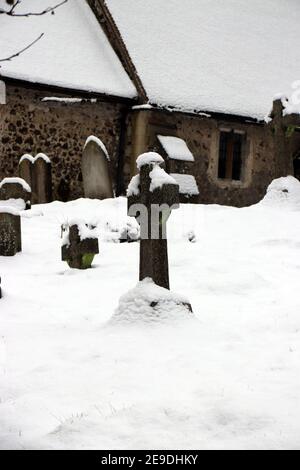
column 96, row 352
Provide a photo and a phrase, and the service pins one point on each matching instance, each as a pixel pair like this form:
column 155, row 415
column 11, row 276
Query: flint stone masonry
column 79, row 254
column 201, row 134
column 10, row 233
column 59, row 129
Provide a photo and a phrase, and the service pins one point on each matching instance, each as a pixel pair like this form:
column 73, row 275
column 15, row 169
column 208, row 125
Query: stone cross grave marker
column 95, row 170
column 152, row 195
column 79, row 251
column 10, row 232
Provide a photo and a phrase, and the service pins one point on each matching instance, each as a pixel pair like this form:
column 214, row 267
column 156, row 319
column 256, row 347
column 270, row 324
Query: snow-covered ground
column 227, row 378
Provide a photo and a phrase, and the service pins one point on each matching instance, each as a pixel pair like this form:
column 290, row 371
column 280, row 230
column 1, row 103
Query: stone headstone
column 15, row 189
column 26, row 168
column 42, row 177
column 97, row 181
column 79, row 251
column 153, row 194
column 37, row 172
column 10, row 232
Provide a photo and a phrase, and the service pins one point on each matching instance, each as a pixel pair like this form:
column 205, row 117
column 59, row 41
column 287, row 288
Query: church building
column 202, row 82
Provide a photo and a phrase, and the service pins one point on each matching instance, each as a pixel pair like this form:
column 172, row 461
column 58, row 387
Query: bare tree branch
column 14, row 6
column 12, row 12
column 7, row 59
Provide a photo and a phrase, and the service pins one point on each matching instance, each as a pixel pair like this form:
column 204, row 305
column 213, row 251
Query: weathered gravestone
column 25, row 168
column 38, row 174
column 80, row 247
column 10, row 232
column 17, row 191
column 152, row 195
column 96, row 176
column 42, row 179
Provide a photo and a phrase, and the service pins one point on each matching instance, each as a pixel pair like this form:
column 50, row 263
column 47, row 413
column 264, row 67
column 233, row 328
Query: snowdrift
column 283, row 191
column 150, row 303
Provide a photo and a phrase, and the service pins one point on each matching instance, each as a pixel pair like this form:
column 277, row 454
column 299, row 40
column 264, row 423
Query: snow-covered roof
column 73, row 53
column 176, row 148
column 228, row 56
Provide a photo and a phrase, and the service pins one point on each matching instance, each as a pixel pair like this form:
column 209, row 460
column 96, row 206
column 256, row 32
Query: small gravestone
column 16, row 190
column 10, row 232
column 42, row 179
column 97, row 181
column 25, row 168
column 80, row 246
column 38, row 174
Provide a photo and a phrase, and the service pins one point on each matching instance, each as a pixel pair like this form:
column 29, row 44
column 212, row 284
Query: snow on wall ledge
column 218, row 56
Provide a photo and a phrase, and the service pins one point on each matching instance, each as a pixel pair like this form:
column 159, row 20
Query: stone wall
column 202, row 137
column 58, row 129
